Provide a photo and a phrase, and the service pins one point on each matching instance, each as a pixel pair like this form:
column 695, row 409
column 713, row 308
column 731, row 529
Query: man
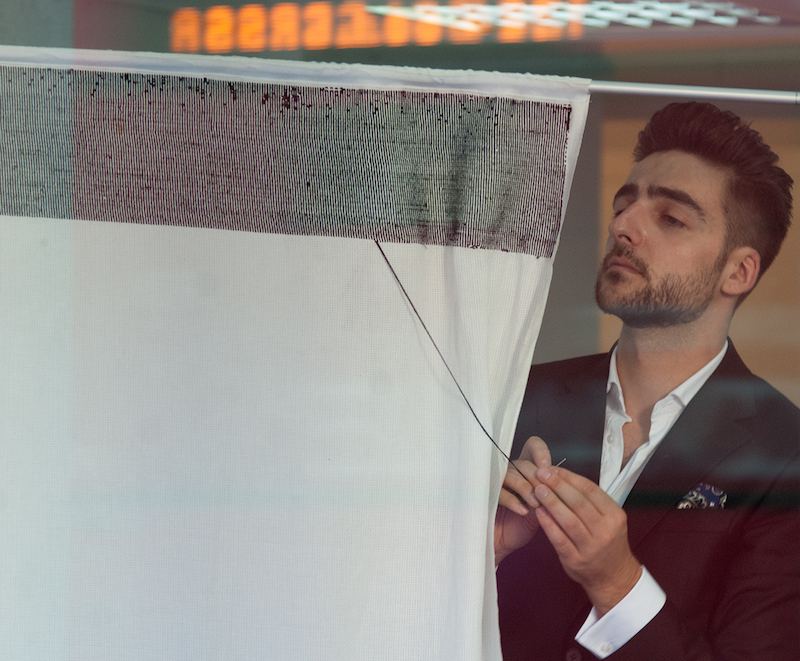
column 673, row 530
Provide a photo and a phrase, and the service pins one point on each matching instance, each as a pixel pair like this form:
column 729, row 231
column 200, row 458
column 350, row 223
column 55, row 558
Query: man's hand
column 589, row 532
column 515, row 523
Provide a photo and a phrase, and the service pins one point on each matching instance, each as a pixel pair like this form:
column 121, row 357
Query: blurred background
column 753, row 45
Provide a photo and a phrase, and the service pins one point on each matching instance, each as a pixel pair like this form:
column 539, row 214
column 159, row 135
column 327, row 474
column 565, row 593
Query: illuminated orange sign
column 354, row 24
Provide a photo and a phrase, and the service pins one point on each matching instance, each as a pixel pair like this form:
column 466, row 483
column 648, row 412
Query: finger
column 561, row 542
column 577, row 494
column 604, row 519
column 569, row 509
column 511, row 500
column 536, row 450
column 592, row 492
column 584, row 512
column 521, row 479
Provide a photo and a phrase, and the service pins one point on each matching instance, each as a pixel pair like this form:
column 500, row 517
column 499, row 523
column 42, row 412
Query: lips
column 621, row 259
column 622, row 264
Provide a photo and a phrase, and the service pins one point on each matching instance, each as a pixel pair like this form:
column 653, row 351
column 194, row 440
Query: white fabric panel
column 222, row 444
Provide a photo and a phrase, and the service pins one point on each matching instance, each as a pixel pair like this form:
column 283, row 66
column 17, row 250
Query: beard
column 671, row 301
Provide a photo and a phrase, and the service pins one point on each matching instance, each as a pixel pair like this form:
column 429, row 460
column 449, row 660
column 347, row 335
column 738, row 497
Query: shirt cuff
column 603, row 636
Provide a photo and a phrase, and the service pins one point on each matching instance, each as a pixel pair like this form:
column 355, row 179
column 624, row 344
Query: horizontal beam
column 689, row 91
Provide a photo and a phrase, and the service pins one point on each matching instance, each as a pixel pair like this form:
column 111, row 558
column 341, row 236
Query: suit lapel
column 707, row 431
column 585, row 411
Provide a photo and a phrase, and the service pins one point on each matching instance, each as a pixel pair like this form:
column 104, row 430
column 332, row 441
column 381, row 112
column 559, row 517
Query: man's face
column 665, row 250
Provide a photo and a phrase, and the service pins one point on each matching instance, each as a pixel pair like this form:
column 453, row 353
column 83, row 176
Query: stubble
column 670, row 301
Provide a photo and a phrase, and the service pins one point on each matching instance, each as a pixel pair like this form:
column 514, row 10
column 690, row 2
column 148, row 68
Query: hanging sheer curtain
column 258, row 321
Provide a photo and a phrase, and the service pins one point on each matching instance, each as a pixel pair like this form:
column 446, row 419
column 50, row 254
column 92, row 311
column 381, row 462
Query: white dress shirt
column 604, row 635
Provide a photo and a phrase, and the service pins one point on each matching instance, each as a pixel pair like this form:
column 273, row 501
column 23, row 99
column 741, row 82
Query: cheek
column 683, row 268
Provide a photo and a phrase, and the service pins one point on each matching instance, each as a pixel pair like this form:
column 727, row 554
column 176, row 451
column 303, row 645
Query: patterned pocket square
column 703, row 496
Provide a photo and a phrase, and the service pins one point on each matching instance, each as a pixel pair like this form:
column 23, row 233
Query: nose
column 628, row 226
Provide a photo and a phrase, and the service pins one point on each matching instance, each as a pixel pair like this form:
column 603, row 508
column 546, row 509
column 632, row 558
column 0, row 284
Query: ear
column 741, row 272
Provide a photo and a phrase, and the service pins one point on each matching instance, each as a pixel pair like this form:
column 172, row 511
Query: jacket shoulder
column 751, row 399
column 569, row 370
column 564, row 402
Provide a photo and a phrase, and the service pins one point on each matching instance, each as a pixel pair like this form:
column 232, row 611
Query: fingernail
column 541, row 492
column 532, row 500
column 543, row 473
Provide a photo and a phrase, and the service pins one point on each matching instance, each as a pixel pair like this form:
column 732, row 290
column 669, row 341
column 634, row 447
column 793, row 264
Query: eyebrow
column 675, row 194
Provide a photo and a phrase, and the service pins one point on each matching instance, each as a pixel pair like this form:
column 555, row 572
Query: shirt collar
column 683, row 393
column 614, row 397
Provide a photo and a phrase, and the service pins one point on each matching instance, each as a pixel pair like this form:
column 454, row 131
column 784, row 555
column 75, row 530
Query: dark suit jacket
column 732, row 575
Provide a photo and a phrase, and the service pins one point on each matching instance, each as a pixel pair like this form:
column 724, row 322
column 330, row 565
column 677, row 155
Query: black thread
column 452, row 376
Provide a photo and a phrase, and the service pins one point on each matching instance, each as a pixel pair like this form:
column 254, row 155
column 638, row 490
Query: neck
column 652, row 362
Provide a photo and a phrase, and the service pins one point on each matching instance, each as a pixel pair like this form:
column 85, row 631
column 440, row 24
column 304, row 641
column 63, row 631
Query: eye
column 671, row 221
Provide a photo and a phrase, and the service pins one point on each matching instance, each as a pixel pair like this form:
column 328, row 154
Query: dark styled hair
column 758, row 202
